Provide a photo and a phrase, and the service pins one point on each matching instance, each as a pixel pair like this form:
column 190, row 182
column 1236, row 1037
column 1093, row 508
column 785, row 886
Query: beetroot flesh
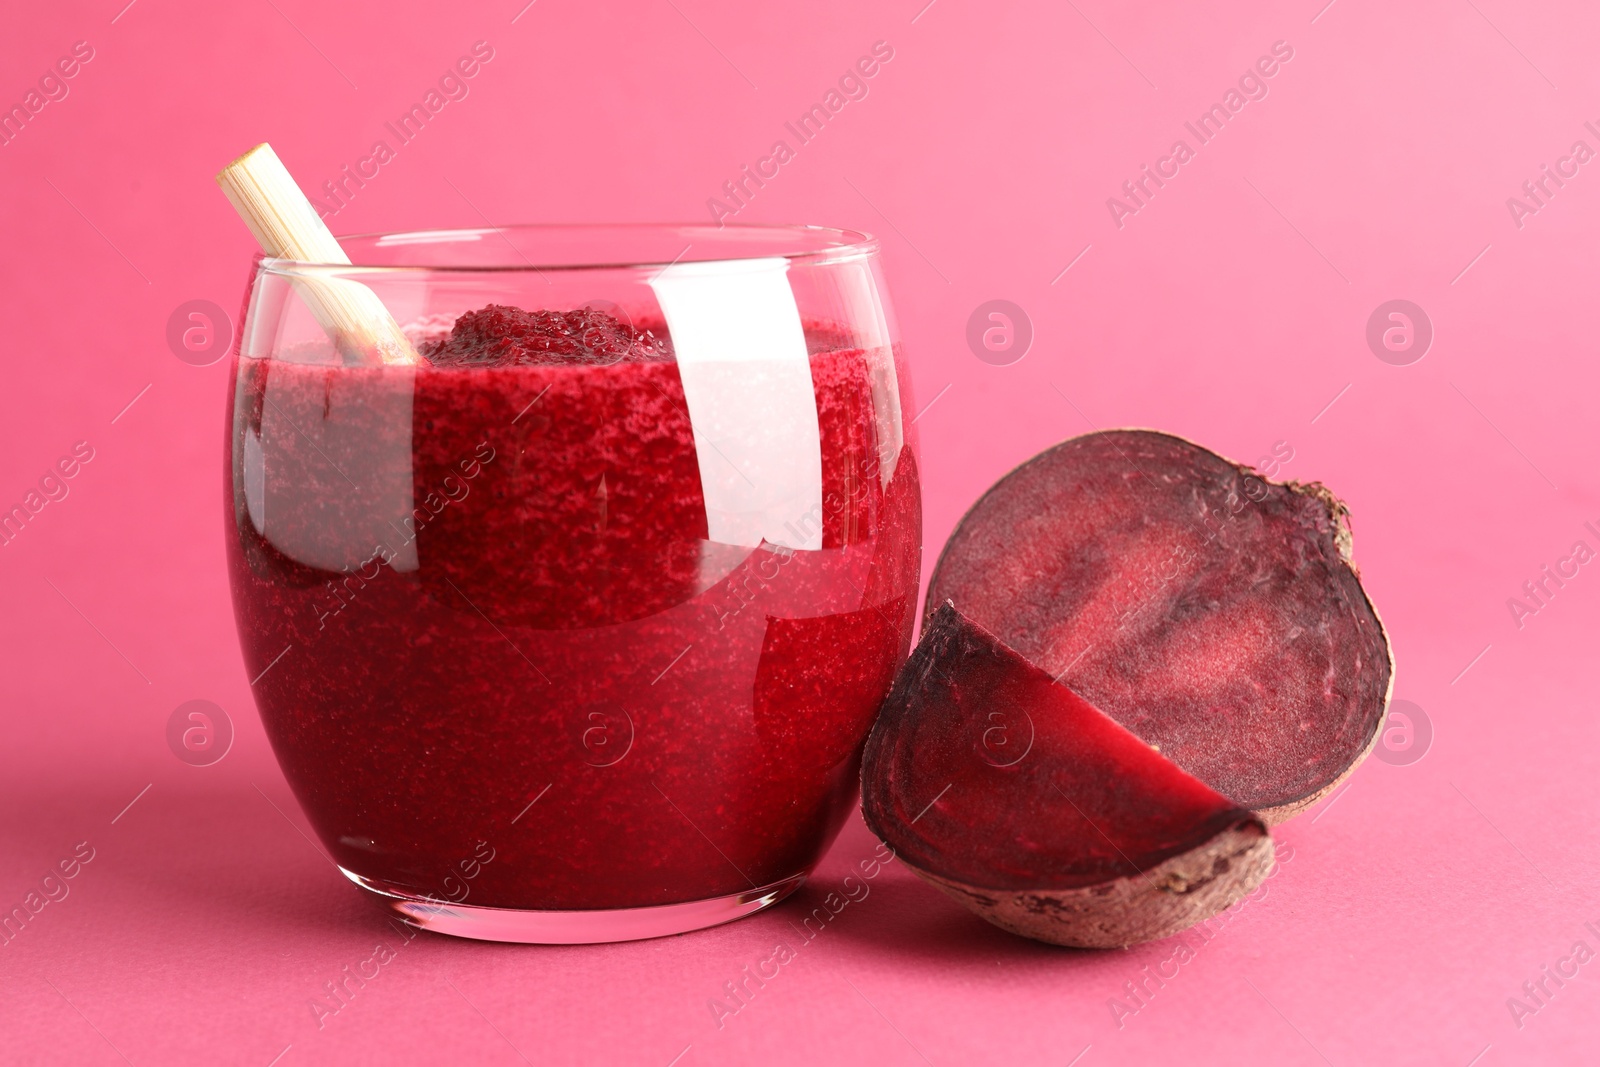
column 985, row 772
column 1213, row 614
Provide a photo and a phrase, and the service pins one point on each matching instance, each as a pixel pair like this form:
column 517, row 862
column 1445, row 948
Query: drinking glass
column 577, row 649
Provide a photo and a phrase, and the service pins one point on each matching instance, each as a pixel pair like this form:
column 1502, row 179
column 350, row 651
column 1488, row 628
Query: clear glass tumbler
column 573, row 630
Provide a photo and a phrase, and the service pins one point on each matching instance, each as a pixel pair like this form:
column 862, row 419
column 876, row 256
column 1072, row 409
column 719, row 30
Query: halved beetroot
column 1187, row 652
column 1213, row 613
column 1023, row 802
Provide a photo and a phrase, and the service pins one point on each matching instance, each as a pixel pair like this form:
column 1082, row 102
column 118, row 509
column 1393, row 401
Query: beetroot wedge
column 1214, row 614
column 1023, row 802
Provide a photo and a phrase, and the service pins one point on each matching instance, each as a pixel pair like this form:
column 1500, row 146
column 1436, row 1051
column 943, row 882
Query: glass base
column 585, row 927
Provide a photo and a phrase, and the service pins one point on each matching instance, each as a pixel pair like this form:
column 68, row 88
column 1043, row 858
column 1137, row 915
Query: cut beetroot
column 1026, row 804
column 1139, row 655
column 1214, row 614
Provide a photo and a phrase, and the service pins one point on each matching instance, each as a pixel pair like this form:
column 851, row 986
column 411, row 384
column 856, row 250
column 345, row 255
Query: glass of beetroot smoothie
column 572, row 629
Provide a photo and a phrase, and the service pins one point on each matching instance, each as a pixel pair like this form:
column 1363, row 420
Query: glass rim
column 829, row 245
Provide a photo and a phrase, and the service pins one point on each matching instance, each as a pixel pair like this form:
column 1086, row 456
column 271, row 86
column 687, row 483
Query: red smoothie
column 485, row 618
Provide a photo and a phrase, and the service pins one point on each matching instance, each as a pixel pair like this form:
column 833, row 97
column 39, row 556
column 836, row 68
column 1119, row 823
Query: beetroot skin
column 1139, row 654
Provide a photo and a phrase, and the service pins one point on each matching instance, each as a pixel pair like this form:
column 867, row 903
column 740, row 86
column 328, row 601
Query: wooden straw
column 287, row 227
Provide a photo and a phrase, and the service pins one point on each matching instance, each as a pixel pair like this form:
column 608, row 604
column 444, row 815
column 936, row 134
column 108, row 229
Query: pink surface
column 1232, row 307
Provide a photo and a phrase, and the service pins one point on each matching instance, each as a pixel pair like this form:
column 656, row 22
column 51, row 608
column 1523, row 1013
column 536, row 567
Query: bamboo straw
column 287, row 227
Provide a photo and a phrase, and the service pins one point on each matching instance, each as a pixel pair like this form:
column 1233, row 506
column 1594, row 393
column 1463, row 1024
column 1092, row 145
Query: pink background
column 1231, row 309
